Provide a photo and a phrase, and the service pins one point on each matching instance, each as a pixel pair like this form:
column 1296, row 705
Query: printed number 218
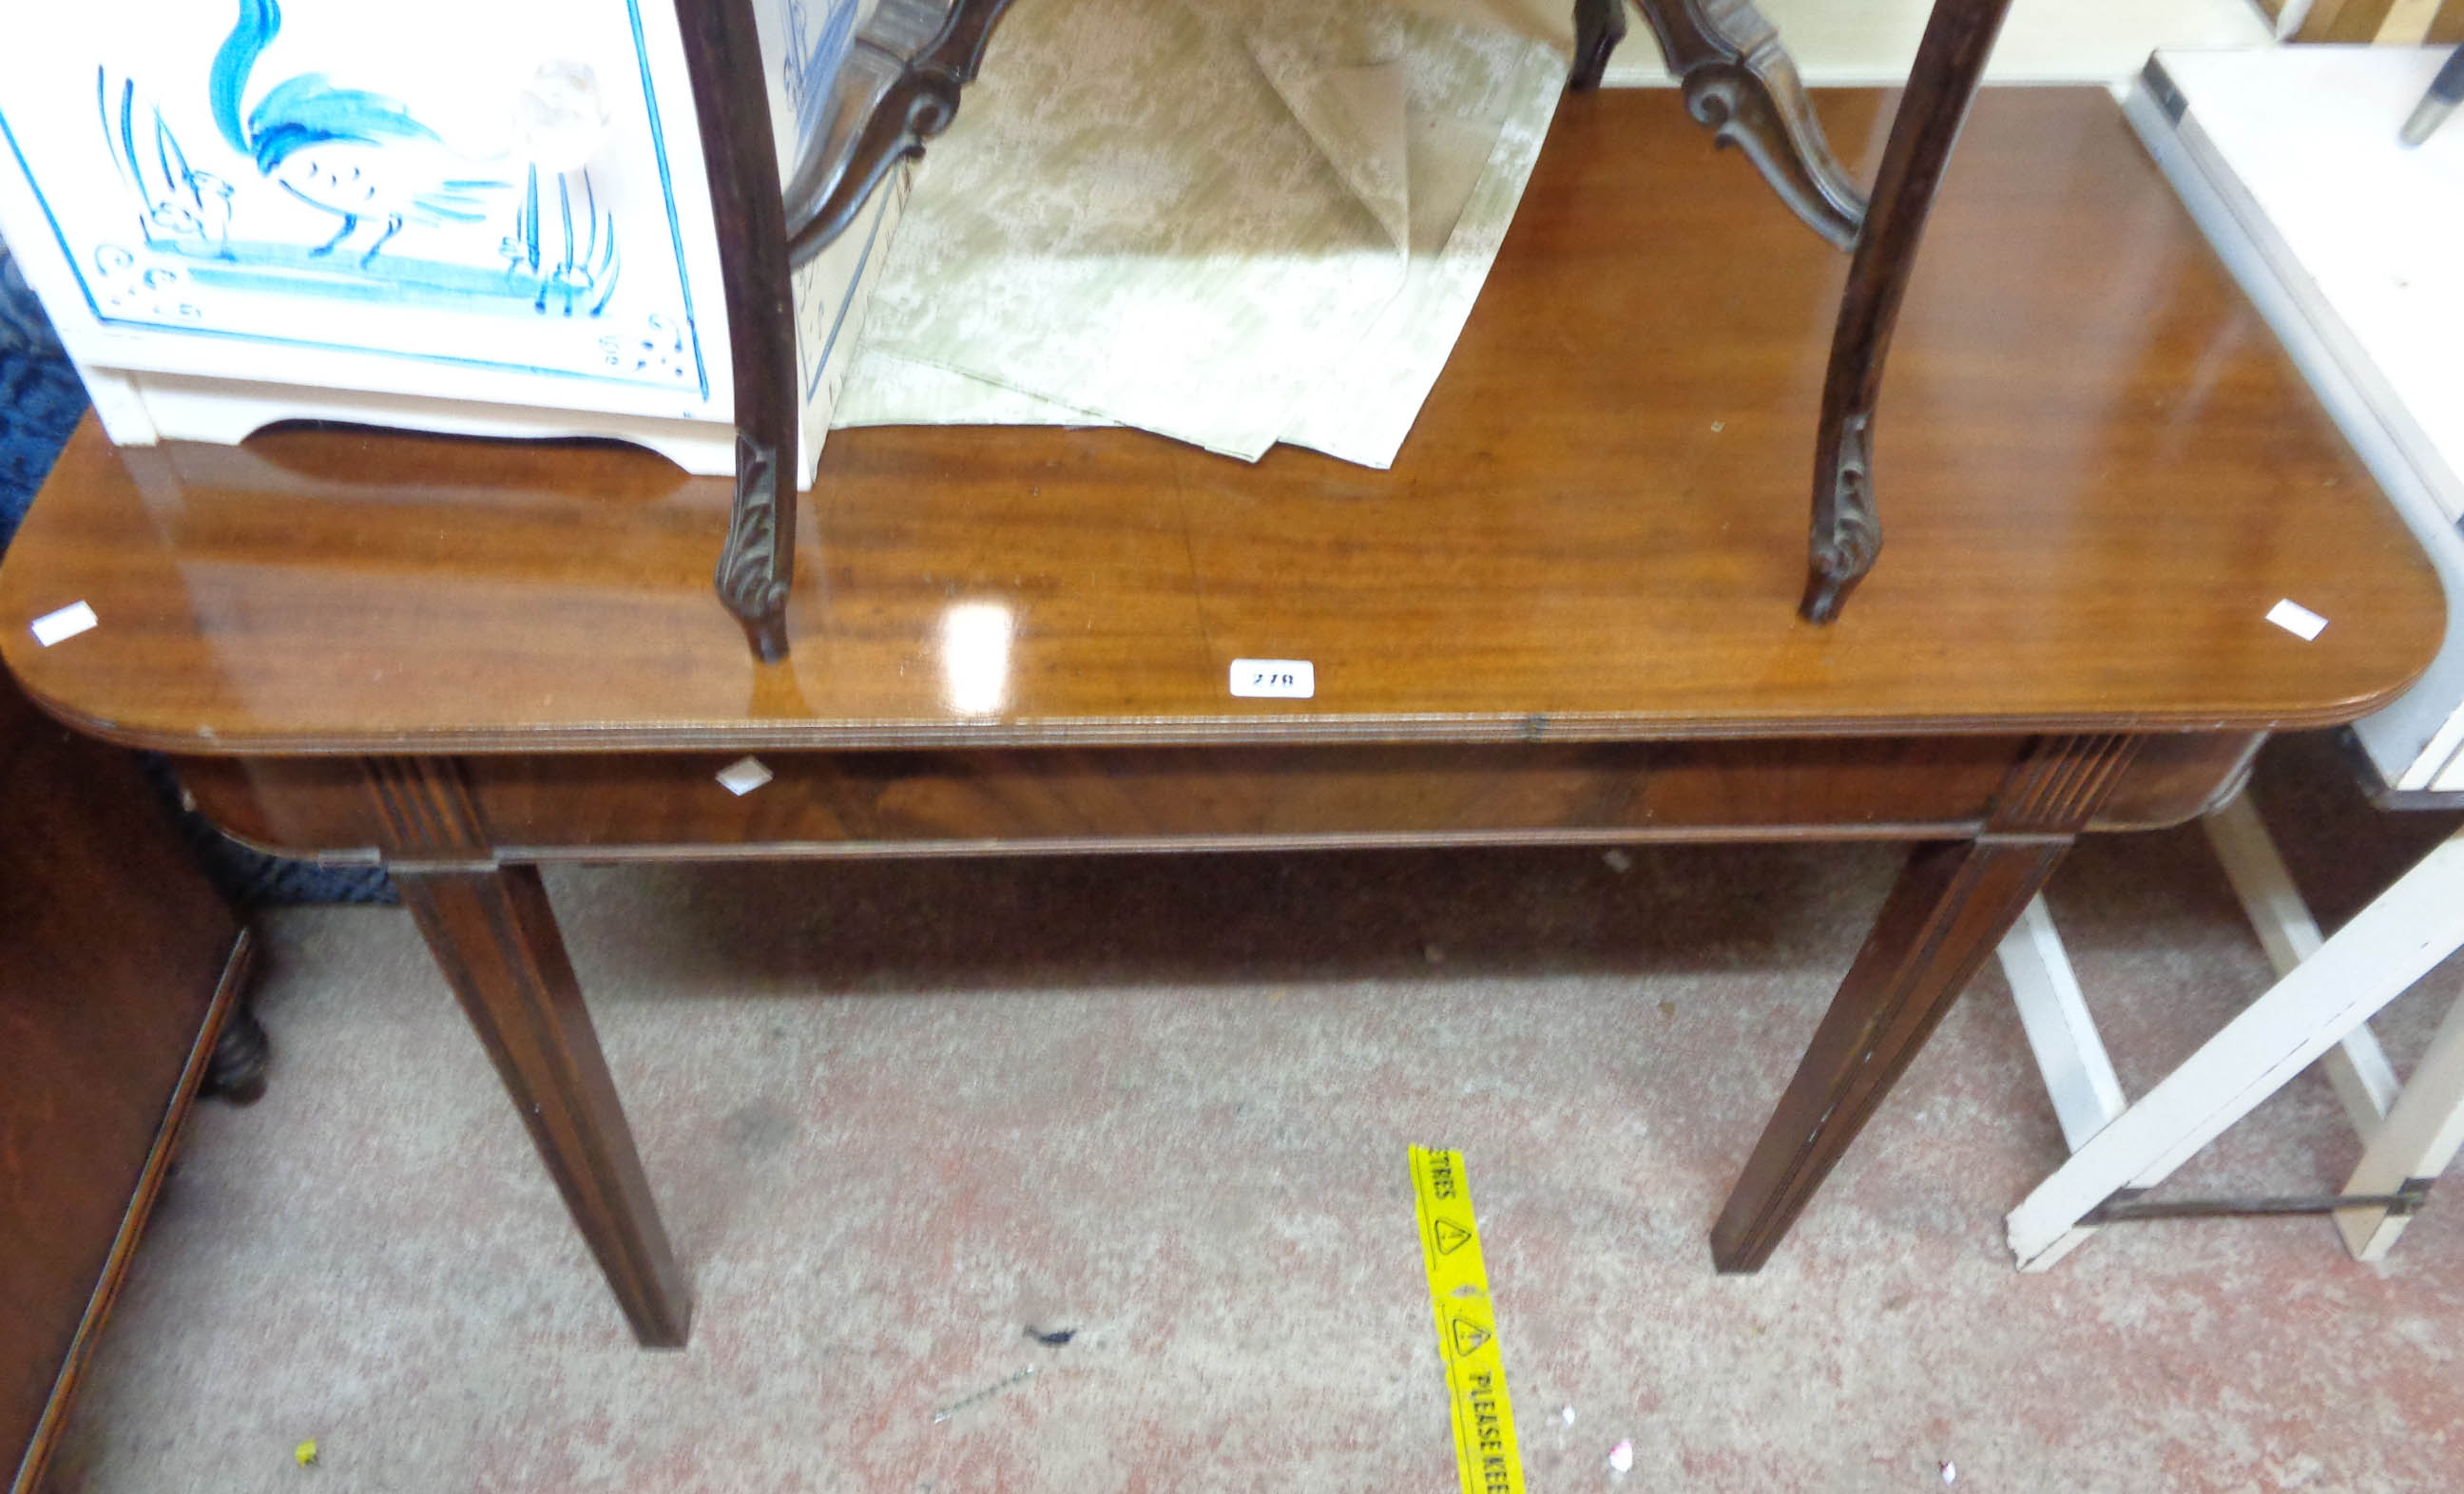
column 1262, row 678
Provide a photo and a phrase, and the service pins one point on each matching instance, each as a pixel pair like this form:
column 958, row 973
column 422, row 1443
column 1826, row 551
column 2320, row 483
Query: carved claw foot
column 1599, row 25
column 236, row 1072
column 1739, row 79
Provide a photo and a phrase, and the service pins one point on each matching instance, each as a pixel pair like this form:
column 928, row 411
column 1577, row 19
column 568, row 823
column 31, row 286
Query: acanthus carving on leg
column 1950, row 61
column 1740, row 80
column 1847, row 527
column 722, row 52
column 754, row 568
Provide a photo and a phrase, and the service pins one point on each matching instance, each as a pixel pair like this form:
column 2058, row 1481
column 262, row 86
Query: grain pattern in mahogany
column 1847, row 533
column 1567, row 548
column 119, row 965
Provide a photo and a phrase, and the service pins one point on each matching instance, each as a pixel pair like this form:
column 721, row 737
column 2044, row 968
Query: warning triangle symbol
column 1468, row 1337
column 1450, row 1235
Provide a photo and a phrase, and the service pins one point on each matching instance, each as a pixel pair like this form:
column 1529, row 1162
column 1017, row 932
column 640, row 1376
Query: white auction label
column 1281, row 679
column 67, row 622
column 743, row 775
column 2298, row 619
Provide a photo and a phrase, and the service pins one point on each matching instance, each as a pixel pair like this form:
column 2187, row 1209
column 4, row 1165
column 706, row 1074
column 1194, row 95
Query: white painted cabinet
column 488, row 216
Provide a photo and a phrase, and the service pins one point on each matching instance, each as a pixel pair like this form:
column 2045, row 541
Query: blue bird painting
column 358, row 154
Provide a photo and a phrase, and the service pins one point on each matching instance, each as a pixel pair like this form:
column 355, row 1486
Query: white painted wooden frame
column 2318, row 1011
column 2416, row 744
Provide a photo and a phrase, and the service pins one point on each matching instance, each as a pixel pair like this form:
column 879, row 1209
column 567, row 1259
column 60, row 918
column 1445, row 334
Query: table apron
column 672, row 804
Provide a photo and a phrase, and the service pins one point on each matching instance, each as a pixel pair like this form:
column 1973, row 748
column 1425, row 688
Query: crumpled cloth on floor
column 1233, row 221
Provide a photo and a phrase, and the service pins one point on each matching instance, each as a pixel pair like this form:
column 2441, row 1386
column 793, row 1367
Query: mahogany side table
column 1567, row 615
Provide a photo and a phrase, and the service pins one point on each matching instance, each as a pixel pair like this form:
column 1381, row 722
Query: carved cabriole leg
column 758, row 565
column 495, row 936
column 936, row 54
column 762, row 237
column 1847, row 528
column 1950, row 908
column 1737, row 78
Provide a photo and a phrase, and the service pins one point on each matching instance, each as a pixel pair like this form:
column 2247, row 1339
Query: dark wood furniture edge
column 1847, row 532
column 1738, row 79
column 833, row 806
column 1949, row 907
column 756, row 563
column 1259, row 731
column 230, row 992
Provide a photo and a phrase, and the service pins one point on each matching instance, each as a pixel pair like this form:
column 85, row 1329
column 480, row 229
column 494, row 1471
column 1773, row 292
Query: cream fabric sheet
column 1234, row 222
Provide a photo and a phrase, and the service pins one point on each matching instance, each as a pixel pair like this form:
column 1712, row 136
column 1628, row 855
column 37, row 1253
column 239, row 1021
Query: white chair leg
column 2421, row 1135
column 2078, row 1073
column 2388, row 946
column 2357, row 1067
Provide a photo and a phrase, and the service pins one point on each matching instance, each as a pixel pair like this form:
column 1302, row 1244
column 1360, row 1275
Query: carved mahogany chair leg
column 1951, row 905
column 757, row 567
column 1599, row 25
column 496, row 939
column 1739, row 79
column 1847, row 527
column 765, row 231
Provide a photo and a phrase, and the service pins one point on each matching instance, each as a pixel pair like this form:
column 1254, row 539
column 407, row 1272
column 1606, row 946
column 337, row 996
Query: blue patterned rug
column 40, row 403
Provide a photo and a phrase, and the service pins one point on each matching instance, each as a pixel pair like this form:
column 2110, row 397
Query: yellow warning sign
column 1484, row 1449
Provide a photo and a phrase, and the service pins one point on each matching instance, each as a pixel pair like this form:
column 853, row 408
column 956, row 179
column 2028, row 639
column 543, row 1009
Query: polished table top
column 2096, row 471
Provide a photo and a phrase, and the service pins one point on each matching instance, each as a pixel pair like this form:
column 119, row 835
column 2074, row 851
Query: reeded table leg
column 1951, row 905
column 495, row 937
